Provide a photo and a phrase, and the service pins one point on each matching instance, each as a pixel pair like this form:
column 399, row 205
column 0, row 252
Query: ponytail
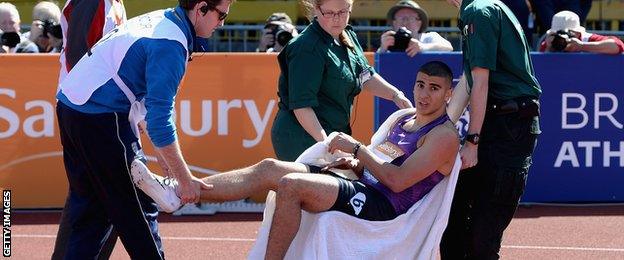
column 346, row 40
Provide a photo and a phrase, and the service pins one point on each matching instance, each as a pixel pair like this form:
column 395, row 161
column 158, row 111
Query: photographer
column 11, row 41
column 276, row 34
column 45, row 30
column 409, row 24
column 567, row 35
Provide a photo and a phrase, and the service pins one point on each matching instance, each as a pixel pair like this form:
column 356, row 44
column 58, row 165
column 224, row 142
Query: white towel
column 336, row 235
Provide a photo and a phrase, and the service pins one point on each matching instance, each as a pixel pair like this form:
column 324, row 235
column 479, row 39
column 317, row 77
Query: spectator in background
column 546, row 9
column 45, row 30
column 277, row 31
column 12, row 40
column 566, row 34
column 409, row 15
column 89, row 21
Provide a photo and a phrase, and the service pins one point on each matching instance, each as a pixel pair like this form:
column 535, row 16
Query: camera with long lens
column 53, row 28
column 561, row 39
column 280, row 33
column 9, row 39
column 402, row 38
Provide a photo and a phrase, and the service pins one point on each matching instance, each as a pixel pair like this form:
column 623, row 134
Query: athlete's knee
column 268, row 165
column 275, row 169
column 265, row 171
column 289, row 184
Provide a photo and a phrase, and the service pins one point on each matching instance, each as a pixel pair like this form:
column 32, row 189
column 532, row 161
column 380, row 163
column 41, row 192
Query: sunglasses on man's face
column 222, row 15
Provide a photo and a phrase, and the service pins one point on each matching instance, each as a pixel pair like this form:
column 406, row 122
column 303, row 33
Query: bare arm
column 438, row 43
column 172, row 155
column 478, row 102
column 478, row 98
column 308, row 120
column 459, row 100
column 189, row 185
column 437, row 46
column 607, row 46
column 378, row 86
column 161, row 161
column 439, row 148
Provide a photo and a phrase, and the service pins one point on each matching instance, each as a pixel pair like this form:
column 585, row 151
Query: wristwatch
column 473, row 138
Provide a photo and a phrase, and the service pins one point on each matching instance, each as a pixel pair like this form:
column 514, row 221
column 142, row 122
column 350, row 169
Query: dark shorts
column 359, row 200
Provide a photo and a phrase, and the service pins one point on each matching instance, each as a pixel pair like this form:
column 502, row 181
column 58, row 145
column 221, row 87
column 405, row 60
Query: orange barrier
column 225, row 110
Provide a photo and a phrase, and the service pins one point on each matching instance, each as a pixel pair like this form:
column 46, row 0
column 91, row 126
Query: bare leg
column 242, row 183
column 296, row 191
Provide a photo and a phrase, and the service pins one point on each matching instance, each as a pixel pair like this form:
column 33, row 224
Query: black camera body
column 9, row 39
column 402, row 38
column 280, row 34
column 53, row 28
column 561, row 39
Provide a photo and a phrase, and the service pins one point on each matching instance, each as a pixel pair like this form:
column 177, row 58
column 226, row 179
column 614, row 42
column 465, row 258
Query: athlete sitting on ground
column 418, row 152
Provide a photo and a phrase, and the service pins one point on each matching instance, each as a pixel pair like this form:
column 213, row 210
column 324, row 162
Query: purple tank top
column 407, row 142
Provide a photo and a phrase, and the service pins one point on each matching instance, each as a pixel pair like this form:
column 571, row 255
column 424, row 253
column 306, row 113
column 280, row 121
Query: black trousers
column 487, row 195
column 62, row 237
column 97, row 152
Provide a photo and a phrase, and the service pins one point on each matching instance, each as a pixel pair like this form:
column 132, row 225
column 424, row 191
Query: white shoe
column 161, row 190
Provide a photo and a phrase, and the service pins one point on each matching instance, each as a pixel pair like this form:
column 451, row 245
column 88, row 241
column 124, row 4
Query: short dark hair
column 437, row 69
column 189, row 4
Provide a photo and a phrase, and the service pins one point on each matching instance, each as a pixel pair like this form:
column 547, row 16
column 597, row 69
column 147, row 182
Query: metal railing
column 244, row 38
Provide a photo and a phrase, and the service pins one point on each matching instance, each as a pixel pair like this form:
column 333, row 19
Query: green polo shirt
column 323, row 74
column 493, row 39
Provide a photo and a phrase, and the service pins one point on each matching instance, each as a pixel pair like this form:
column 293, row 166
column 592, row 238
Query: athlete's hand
column 344, row 163
column 342, row 142
column 469, row 155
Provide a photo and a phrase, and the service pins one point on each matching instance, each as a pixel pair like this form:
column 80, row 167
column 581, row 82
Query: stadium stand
column 242, row 31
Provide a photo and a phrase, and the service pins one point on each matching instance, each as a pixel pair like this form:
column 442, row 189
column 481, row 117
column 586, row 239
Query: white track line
column 567, row 248
column 230, row 239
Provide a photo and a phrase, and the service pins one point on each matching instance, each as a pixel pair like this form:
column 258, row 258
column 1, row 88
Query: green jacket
column 492, row 38
column 321, row 73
